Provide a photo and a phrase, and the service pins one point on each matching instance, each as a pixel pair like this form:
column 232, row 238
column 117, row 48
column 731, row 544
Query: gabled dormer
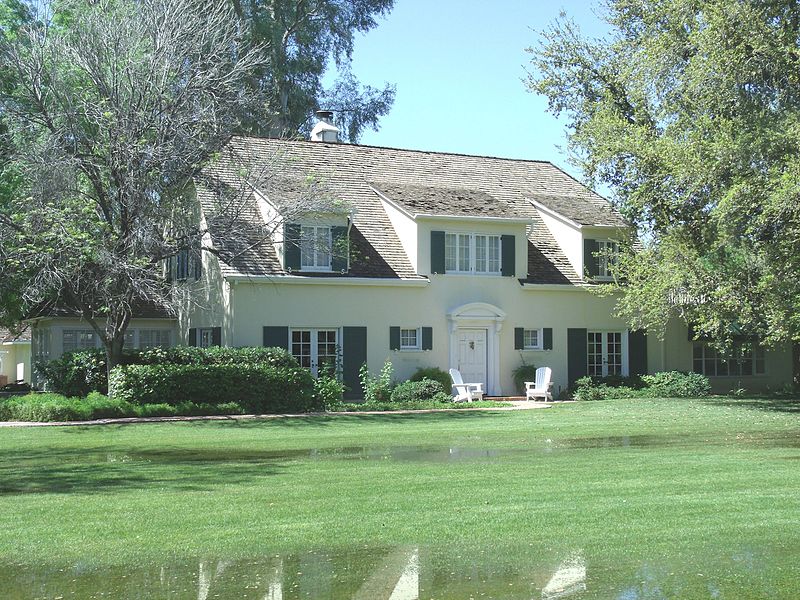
column 587, row 230
column 460, row 232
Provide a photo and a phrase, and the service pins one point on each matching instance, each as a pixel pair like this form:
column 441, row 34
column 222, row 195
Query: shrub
column 256, row 388
column 668, row 384
column 436, row 374
column 675, row 384
column 328, row 391
column 522, row 374
column 376, row 389
column 413, row 391
column 78, row 373
column 56, row 407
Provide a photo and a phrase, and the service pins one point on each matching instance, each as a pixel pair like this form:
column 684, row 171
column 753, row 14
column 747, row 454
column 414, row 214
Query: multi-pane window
column 744, row 360
column 604, row 353
column 472, row 253
column 409, row 339
column 153, row 338
column 607, row 253
column 532, row 339
column 315, row 247
column 205, row 338
column 41, row 344
column 316, row 349
column 78, row 339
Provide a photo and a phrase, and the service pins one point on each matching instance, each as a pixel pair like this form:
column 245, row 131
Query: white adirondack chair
column 465, row 392
column 541, row 388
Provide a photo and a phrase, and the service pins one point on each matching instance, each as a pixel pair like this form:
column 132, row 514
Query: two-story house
column 431, row 259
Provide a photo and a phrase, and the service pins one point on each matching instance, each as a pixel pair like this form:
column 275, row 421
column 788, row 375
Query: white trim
column 296, row 279
column 480, row 315
column 557, row 287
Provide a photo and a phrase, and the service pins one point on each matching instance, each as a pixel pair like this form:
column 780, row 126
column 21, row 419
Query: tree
column 111, row 108
column 689, row 110
column 301, row 38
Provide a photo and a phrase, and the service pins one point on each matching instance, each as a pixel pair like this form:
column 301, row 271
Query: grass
column 681, row 496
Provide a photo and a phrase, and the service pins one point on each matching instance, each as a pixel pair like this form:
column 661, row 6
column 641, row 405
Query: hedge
column 256, row 388
column 667, row 384
column 78, row 373
column 416, row 391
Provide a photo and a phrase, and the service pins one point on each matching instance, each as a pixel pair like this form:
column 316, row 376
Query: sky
column 459, row 67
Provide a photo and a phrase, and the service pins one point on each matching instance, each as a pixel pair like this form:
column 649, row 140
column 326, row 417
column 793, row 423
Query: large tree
column 689, row 111
column 303, row 38
column 111, row 109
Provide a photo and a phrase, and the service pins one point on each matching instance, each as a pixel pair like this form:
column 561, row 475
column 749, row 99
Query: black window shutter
column 354, row 354
column 519, row 338
column 192, row 341
column 637, row 352
column 590, row 258
column 394, row 338
column 508, row 254
column 340, row 248
column 276, row 337
column 427, row 338
column 170, row 268
column 216, row 336
column 437, row 252
column 291, row 246
column 197, row 265
column 547, row 341
column 577, row 354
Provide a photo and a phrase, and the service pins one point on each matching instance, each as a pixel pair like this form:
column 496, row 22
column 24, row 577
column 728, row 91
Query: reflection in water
column 568, row 580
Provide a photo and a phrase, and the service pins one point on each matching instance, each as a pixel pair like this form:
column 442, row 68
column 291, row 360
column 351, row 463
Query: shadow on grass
column 781, row 404
column 101, row 470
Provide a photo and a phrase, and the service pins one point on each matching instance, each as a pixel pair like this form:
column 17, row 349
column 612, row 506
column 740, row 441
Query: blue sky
column 458, row 66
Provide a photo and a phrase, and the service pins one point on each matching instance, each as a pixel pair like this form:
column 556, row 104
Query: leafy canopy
column 689, row 110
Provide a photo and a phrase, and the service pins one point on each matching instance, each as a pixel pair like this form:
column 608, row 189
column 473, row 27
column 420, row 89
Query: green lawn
column 652, row 498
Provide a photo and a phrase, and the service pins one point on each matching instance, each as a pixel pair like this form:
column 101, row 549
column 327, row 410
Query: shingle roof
column 422, row 182
column 20, row 335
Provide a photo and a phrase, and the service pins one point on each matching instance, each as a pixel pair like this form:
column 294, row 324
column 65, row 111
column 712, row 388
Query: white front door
column 472, row 355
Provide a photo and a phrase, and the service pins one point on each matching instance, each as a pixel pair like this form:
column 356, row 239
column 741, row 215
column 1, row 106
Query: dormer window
column 599, row 258
column 472, row 253
column 316, row 245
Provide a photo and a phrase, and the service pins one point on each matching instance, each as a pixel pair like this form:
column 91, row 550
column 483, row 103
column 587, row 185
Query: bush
column 675, row 384
column 522, row 374
column 56, row 407
column 78, row 373
column 256, row 388
column 668, row 384
column 376, row 389
column 413, row 391
column 436, row 374
column 328, row 391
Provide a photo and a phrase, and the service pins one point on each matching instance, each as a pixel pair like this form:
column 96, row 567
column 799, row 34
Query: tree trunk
column 114, row 354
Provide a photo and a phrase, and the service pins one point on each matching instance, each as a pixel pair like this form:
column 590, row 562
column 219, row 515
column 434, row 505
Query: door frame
column 479, row 315
column 604, row 346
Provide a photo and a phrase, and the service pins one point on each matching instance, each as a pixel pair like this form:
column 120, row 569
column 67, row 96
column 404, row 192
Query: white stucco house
column 15, row 356
column 435, row 260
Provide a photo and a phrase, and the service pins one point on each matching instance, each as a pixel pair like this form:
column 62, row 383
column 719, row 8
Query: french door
column 316, row 349
column 605, row 353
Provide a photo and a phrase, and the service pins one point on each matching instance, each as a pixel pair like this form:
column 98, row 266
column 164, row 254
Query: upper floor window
column 607, row 253
column 315, row 247
column 472, row 253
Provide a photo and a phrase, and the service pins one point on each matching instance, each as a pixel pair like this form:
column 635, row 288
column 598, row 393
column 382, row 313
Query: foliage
column 667, row 384
column 302, row 41
column 674, row 384
column 80, row 372
column 521, row 374
column 102, row 154
column 690, row 113
column 328, row 390
column 56, row 407
column 257, row 388
column 377, row 389
column 412, row 391
column 436, row 374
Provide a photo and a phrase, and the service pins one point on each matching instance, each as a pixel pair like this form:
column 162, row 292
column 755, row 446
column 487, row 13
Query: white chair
column 541, row 388
column 465, row 392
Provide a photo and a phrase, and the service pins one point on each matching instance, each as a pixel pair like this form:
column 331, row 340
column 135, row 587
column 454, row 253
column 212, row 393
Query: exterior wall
column 406, row 230
column 331, row 306
column 12, row 355
column 676, row 350
column 207, row 304
column 427, row 224
column 569, row 239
